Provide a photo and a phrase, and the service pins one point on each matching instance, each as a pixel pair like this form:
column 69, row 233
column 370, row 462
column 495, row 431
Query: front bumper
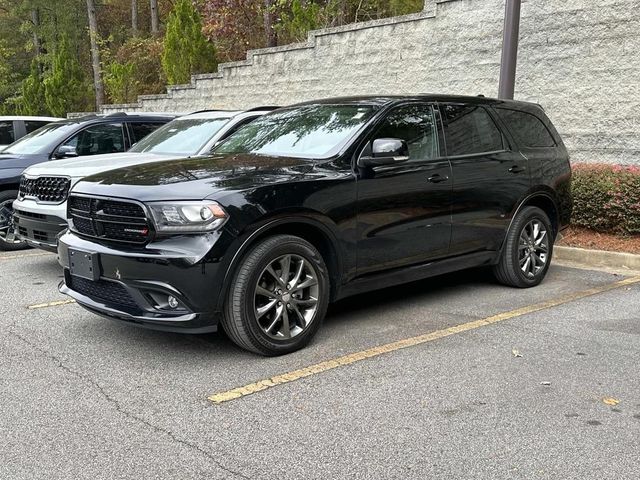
column 39, row 225
column 133, row 284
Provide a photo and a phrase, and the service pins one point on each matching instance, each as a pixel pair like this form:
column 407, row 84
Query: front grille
column 102, row 290
column 45, row 189
column 114, row 220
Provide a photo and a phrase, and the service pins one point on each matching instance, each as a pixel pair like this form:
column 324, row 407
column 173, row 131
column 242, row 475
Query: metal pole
column 509, row 49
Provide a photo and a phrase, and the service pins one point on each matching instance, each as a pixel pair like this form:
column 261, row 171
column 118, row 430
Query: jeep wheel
column 8, row 240
column 526, row 254
column 278, row 297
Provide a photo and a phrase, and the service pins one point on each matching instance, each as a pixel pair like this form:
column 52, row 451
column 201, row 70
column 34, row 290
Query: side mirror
column 66, row 151
column 385, row 151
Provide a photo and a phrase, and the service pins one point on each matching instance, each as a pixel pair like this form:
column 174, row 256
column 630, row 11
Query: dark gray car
column 89, row 135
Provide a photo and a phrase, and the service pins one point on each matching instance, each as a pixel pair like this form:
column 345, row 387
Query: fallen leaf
column 516, row 353
column 610, row 401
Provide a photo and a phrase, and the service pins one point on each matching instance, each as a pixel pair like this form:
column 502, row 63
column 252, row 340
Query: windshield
column 310, row 131
column 41, row 138
column 180, row 137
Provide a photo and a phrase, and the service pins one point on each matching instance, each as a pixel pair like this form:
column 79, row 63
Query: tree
column 269, row 27
column 35, row 19
column 120, row 82
column 95, row 54
column 65, row 88
column 32, row 101
column 134, row 17
column 155, row 21
column 186, row 50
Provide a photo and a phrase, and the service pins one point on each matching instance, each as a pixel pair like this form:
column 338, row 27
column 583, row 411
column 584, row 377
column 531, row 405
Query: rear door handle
column 437, row 178
column 517, row 169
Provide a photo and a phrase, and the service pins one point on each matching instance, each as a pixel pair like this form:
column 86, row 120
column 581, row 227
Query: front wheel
column 278, row 298
column 526, row 254
column 8, row 239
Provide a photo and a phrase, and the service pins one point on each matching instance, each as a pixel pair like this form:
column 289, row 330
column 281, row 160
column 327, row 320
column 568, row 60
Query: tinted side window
column 6, row 133
column 469, row 129
column 141, row 130
column 415, row 125
column 237, row 126
column 32, row 125
column 97, row 139
column 527, row 128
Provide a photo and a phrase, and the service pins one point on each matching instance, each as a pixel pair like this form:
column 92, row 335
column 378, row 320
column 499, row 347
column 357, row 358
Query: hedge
column 606, row 198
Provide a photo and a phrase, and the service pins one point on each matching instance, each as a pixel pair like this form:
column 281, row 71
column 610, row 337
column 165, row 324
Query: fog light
column 172, row 301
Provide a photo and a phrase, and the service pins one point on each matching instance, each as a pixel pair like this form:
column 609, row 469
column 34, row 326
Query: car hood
column 194, row 178
column 12, row 161
column 80, row 167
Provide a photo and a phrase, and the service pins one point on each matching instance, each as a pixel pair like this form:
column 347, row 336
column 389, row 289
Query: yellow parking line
column 321, row 367
column 50, row 304
column 39, row 254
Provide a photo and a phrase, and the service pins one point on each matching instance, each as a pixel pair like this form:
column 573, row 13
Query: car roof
column 29, row 118
column 383, row 100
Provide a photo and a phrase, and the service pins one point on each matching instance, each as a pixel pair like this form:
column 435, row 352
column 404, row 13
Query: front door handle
column 517, row 169
column 437, row 178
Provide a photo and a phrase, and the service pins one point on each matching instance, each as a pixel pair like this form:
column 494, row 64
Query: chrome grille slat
column 45, row 189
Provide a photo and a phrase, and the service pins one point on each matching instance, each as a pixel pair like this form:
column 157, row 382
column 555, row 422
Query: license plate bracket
column 84, row 264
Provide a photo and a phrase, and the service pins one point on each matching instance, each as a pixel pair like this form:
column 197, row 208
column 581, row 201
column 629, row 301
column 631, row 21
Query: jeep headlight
column 187, row 217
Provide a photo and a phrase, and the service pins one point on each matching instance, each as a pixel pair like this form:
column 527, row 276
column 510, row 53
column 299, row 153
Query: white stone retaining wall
column 579, row 58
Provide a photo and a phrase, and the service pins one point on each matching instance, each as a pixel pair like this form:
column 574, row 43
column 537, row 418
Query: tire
column 257, row 302
column 6, row 199
column 521, row 243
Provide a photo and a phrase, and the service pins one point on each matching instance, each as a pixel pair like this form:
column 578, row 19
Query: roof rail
column 264, row 107
column 210, row 110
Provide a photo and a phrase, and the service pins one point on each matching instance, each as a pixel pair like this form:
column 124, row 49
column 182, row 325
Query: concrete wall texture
column 579, row 58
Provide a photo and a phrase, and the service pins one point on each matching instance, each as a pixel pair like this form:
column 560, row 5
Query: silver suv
column 40, row 212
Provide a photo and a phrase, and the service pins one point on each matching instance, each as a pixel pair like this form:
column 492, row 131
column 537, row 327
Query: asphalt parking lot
column 474, row 380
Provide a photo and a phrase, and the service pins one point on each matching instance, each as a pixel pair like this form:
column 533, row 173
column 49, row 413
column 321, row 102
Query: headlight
column 187, row 217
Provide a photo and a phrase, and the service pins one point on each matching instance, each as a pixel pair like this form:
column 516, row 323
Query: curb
column 597, row 258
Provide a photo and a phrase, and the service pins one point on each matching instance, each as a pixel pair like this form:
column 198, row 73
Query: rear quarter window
column 33, row 125
column 469, row 130
column 6, row 133
column 528, row 129
column 141, row 130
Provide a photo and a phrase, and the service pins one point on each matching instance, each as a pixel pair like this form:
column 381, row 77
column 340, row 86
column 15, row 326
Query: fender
column 521, row 204
column 10, row 176
column 309, row 218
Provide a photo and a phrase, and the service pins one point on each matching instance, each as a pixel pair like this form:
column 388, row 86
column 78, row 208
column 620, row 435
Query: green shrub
column 606, row 198
column 186, row 49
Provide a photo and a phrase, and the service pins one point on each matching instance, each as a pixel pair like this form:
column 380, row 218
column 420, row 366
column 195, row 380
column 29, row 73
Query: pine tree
column 32, row 99
column 186, row 50
column 65, row 88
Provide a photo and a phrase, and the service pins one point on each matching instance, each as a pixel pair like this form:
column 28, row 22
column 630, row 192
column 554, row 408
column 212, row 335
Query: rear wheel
column 278, row 297
column 527, row 252
column 8, row 239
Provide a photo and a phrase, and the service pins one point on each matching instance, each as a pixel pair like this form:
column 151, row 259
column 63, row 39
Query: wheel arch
column 311, row 229
column 543, row 200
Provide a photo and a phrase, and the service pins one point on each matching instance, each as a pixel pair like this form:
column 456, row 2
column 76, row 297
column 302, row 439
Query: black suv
column 88, row 135
column 316, row 202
